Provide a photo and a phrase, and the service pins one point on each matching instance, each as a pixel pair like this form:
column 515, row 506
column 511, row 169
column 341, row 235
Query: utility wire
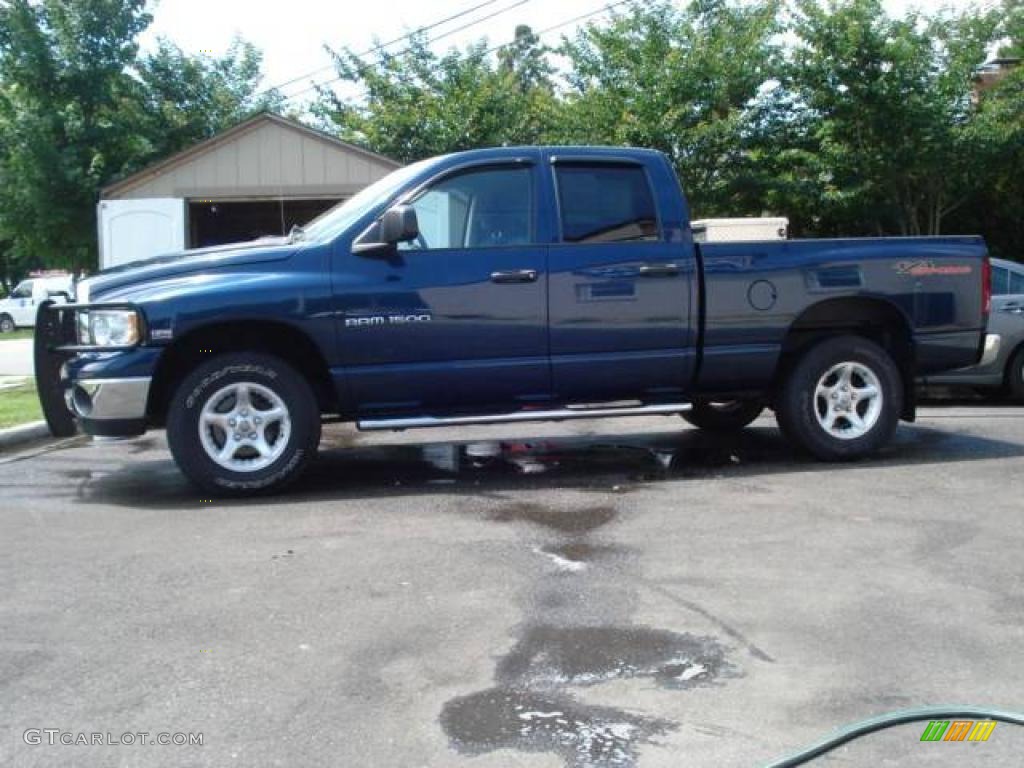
column 382, row 46
column 431, row 41
column 565, row 23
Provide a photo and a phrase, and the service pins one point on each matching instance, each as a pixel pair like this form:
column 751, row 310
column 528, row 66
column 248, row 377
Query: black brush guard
column 55, row 330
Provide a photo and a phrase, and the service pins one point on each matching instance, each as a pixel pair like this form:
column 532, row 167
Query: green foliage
column 187, row 98
column 416, row 103
column 64, row 80
column 831, row 112
column 680, row 80
column 887, row 109
column 79, row 107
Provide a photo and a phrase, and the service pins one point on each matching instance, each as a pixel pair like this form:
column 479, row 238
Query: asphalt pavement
column 623, row 592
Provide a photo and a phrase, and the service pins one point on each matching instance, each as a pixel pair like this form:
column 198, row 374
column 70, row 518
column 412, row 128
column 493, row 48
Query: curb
column 24, row 433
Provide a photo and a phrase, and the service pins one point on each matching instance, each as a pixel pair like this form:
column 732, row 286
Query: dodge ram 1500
column 502, row 285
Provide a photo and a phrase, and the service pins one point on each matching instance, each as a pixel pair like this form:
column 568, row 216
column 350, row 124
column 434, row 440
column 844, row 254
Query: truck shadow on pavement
column 604, row 463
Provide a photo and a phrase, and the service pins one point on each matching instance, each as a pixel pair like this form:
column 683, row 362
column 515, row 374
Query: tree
column 79, row 108
column 886, row 109
column 681, row 80
column 186, row 98
column 997, row 132
column 64, row 82
column 416, row 103
column 525, row 59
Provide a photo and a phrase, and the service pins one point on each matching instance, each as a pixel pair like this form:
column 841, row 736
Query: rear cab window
column 605, row 202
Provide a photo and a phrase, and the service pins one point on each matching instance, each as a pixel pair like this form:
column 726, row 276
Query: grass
column 21, row 333
column 19, row 405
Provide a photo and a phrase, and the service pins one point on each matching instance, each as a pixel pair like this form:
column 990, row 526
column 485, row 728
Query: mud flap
column 48, row 363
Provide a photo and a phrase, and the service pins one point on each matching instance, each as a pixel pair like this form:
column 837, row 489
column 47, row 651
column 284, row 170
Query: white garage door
column 140, row 229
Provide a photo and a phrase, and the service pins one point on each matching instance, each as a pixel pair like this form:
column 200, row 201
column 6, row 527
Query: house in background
column 990, row 73
column 258, row 178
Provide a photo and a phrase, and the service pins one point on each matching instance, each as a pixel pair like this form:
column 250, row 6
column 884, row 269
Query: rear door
column 619, row 284
column 457, row 318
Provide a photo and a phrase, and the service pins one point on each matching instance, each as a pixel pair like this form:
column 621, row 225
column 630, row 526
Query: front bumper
column 106, row 393
column 109, row 407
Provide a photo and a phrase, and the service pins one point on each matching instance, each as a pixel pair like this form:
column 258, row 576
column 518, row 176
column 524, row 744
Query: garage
column 257, row 179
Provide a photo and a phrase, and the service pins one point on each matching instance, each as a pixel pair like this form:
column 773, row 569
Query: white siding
column 269, row 159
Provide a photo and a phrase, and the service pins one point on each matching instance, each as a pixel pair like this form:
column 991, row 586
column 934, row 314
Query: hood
column 183, row 263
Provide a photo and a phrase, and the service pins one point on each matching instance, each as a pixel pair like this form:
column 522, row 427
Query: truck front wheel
column 7, row 324
column 842, row 399
column 243, row 423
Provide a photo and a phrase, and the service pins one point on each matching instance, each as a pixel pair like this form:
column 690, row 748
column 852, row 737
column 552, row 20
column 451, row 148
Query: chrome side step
column 417, row 422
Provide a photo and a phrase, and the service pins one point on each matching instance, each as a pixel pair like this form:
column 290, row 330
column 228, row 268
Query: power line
column 431, row 41
column 565, row 23
column 382, row 46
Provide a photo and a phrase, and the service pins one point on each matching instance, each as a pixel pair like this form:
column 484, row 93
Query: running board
column 418, row 422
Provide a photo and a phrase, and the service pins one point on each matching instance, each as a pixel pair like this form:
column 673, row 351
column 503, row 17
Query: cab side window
column 605, row 203
column 23, row 291
column 486, row 208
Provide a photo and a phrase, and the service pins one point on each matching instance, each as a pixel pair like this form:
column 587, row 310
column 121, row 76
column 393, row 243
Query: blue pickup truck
column 503, row 285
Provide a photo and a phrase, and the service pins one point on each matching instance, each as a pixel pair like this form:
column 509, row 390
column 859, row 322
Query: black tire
column 800, row 410
column 299, row 431
column 7, row 324
column 1015, row 376
column 726, row 416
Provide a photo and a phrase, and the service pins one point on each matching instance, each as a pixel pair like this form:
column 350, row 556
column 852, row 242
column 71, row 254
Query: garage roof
column 266, row 156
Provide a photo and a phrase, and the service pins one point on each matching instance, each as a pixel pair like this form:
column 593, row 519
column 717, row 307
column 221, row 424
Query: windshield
column 333, row 222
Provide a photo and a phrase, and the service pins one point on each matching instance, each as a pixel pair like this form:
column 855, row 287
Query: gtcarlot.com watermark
column 56, row 736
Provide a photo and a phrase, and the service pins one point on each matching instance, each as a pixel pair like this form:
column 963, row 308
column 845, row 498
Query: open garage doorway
column 216, row 222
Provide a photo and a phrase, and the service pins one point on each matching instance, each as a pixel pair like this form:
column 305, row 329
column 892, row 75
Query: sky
column 292, row 33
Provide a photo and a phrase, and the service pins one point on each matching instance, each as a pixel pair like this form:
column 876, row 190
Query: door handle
column 515, row 276
column 1013, row 309
column 659, row 270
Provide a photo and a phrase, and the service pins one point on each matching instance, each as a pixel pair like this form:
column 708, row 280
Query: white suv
column 19, row 309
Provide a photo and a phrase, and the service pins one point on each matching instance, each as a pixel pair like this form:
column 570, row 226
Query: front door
column 456, row 319
column 619, row 289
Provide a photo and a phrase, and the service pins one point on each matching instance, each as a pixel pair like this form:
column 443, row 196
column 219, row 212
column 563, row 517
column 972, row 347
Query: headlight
column 108, row 328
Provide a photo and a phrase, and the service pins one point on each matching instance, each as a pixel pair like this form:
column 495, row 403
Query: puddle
column 563, row 520
column 574, row 555
column 583, row 736
column 580, row 550
column 549, row 655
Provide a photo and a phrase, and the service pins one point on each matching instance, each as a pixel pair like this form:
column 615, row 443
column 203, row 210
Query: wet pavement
column 625, row 592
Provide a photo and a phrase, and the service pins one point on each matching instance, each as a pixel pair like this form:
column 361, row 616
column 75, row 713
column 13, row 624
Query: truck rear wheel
column 725, row 416
column 243, row 423
column 842, row 399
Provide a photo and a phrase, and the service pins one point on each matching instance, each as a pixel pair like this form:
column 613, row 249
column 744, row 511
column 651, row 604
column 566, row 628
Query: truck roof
column 579, row 150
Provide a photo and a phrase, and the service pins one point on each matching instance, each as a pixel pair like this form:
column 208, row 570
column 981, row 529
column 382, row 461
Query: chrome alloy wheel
column 244, row 427
column 848, row 400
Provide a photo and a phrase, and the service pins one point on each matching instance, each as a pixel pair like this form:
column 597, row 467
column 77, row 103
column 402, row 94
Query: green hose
column 864, row 727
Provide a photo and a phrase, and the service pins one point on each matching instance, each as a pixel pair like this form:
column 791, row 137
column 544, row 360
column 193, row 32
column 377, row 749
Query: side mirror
column 397, row 225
